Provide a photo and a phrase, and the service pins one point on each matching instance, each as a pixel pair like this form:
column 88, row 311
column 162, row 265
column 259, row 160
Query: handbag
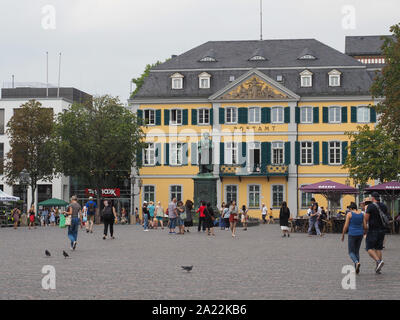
column 183, row 215
column 68, row 220
column 62, row 221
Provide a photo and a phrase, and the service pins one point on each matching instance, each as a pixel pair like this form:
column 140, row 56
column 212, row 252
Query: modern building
column 277, row 112
column 12, row 99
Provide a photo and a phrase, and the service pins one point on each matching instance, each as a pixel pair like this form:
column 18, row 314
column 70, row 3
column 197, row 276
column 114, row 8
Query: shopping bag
column 62, row 221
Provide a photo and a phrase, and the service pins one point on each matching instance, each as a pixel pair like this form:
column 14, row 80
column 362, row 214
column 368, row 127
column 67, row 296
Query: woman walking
column 221, row 219
column 32, row 217
column 356, row 225
column 181, row 217
column 284, row 215
column 15, row 214
column 151, row 208
column 233, row 217
column 313, row 221
column 74, row 211
column 109, row 216
column 159, row 216
column 244, row 217
column 189, row 218
column 209, row 219
column 52, row 217
column 226, row 214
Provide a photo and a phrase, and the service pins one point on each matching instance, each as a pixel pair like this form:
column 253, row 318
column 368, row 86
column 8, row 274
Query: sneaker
column 358, row 267
column 146, row 230
column 112, row 237
column 74, row 245
column 104, row 237
column 379, row 265
column 87, row 231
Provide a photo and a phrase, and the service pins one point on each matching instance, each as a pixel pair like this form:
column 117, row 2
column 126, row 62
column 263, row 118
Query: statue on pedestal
column 205, row 154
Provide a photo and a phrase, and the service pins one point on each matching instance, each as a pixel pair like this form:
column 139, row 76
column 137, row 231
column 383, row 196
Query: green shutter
column 221, row 153
column 166, row 117
column 158, row 117
column 316, row 152
column 139, row 157
column 265, row 155
column 185, row 151
column 344, row 151
column 325, row 153
column 194, row 117
column 139, row 115
column 373, row 115
column 185, row 117
column 211, row 111
column 221, row 115
column 325, row 115
column 287, row 153
column 158, row 154
column 297, row 152
column 193, row 154
column 353, row 151
column 297, row 115
column 166, row 154
column 316, row 114
column 243, row 154
column 353, row 116
column 287, row 115
column 242, row 116
column 344, row 114
column 265, row 115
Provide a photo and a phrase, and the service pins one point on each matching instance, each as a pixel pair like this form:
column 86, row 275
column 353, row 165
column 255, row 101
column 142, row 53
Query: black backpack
column 91, row 207
column 107, row 212
column 384, row 217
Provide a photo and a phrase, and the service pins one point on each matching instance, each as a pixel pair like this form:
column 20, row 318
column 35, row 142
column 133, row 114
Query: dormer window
column 257, row 58
column 307, row 54
column 258, row 55
column 177, row 81
column 209, row 56
column 334, row 78
column 204, row 80
column 306, row 79
column 208, row 59
column 307, row 57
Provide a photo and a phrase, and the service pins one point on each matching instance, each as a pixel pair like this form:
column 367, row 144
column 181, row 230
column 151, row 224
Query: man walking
column 145, row 214
column 172, row 214
column 91, row 212
column 376, row 230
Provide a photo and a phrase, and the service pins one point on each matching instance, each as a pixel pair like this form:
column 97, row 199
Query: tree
column 96, row 142
column 30, row 130
column 373, row 155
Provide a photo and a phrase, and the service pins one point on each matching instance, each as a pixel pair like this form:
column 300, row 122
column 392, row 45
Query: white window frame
column 253, row 112
column 311, row 195
column 176, row 123
column 174, row 78
column 202, row 110
column 237, row 193
column 275, row 114
column 170, row 192
column 311, row 162
column 234, row 111
column 330, row 120
column 334, row 78
column 306, row 80
column 150, row 111
column 231, row 152
column 249, row 192
column 176, row 154
column 336, row 163
column 254, row 145
column 207, row 77
column 272, row 195
column 273, row 148
column 149, row 153
column 308, row 113
column 368, row 113
column 144, row 192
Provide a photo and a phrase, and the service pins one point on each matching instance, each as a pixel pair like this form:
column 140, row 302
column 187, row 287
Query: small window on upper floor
column 306, row 78
column 307, row 57
column 208, row 59
column 334, row 78
column 204, row 80
column 257, row 58
column 177, row 81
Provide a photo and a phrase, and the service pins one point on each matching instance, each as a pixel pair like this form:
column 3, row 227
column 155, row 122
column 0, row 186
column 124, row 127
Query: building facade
column 276, row 111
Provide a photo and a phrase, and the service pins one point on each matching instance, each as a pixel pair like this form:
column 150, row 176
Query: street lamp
column 133, row 194
column 24, row 179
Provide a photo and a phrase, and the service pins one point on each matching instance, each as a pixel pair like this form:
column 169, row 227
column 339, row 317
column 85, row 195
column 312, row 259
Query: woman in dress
column 15, row 214
column 221, row 219
column 181, row 217
column 159, row 216
column 52, row 217
column 210, row 217
column 244, row 217
column 233, row 217
column 189, row 218
column 284, row 215
column 31, row 214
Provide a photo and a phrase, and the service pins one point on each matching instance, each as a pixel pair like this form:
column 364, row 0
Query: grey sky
column 105, row 43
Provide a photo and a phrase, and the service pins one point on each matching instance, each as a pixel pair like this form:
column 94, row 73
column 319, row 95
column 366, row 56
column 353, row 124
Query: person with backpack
column 91, row 212
column 377, row 219
column 109, row 215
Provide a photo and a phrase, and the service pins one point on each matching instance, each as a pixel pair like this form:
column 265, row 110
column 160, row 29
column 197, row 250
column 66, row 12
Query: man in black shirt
column 376, row 230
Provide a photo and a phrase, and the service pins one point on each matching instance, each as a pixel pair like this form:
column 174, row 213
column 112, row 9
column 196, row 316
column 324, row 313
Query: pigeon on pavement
column 47, row 253
column 187, row 268
column 65, row 254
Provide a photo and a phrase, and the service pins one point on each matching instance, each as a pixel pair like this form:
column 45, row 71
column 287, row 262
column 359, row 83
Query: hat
column 375, row 195
column 144, row 202
column 90, row 198
column 367, row 199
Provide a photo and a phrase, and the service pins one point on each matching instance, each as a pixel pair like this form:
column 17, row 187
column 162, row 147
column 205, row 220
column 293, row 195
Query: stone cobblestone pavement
column 257, row 264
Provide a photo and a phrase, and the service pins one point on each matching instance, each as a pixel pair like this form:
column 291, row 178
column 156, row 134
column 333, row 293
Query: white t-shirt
column 264, row 211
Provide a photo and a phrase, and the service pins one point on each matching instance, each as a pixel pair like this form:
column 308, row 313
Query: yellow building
column 276, row 110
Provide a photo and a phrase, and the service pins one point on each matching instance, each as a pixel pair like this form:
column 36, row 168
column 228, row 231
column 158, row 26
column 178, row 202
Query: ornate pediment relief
column 254, row 88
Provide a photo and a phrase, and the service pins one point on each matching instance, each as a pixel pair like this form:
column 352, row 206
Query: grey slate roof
column 364, row 45
column 233, row 60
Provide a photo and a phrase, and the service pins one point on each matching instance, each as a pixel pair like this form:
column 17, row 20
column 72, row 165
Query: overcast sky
column 105, row 43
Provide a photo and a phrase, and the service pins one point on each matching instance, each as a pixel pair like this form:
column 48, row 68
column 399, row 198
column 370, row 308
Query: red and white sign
column 105, row 193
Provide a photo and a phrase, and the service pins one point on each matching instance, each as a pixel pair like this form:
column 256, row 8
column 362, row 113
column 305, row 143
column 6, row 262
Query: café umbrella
column 6, row 197
column 331, row 190
column 389, row 191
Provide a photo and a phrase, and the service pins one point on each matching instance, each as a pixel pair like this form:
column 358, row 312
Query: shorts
column 375, row 239
column 284, row 228
column 181, row 222
column 160, row 218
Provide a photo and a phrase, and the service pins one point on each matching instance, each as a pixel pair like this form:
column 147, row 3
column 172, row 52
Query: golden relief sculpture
column 254, row 88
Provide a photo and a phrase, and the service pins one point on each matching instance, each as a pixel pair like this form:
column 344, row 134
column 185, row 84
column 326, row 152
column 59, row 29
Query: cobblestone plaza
column 257, row 264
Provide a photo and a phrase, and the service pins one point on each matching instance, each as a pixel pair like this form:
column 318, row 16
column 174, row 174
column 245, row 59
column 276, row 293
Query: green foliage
column 373, row 155
column 30, row 130
column 95, row 142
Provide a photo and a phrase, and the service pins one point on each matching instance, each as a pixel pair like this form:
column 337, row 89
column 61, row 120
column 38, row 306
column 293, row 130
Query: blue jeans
column 314, row 223
column 73, row 230
column 354, row 247
column 145, row 221
column 172, row 222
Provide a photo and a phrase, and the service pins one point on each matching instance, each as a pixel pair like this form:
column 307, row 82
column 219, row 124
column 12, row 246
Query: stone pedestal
column 205, row 188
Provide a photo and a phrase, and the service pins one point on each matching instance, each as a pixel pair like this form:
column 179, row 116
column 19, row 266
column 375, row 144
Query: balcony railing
column 231, row 170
